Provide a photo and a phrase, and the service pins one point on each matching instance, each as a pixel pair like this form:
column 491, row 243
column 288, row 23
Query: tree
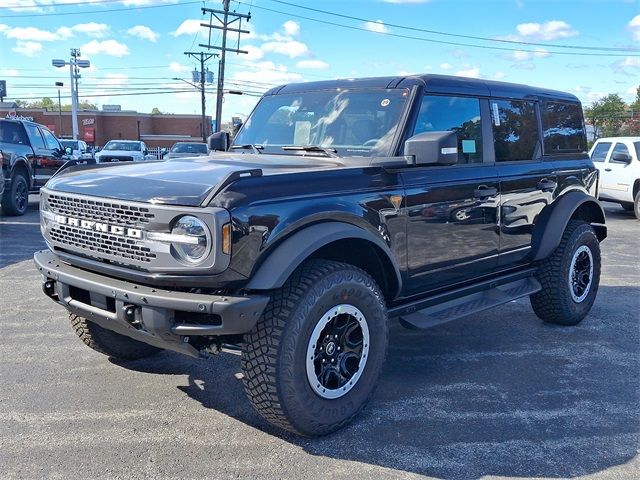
column 155, row 111
column 607, row 115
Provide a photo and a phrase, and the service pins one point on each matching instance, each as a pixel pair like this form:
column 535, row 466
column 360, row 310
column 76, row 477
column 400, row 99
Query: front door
column 618, row 177
column 54, row 156
column 452, row 231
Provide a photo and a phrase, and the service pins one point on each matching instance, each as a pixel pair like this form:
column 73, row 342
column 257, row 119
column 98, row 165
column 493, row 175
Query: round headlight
column 192, row 239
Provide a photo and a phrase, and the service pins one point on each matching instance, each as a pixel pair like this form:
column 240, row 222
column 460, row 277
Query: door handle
column 607, row 169
column 546, row 185
column 484, row 191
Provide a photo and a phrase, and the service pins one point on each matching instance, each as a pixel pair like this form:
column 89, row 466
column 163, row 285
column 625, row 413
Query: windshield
column 69, row 143
column 126, row 146
column 353, row 122
column 189, row 148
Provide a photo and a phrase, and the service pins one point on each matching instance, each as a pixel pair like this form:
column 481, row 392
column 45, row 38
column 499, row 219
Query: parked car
column 124, row 151
column 31, row 155
column 186, row 149
column 618, row 161
column 79, row 149
column 340, row 204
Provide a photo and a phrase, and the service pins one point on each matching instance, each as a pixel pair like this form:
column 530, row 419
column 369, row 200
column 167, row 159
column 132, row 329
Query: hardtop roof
column 437, row 84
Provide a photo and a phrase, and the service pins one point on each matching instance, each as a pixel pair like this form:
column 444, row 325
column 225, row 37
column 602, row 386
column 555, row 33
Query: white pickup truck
column 124, row 151
column 618, row 160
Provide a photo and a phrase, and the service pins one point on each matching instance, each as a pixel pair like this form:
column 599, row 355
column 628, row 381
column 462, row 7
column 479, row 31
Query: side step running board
column 470, row 304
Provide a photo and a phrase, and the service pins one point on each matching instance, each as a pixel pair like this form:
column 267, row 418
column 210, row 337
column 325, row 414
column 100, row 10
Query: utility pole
column 59, row 85
column 74, row 63
column 203, row 58
column 228, row 18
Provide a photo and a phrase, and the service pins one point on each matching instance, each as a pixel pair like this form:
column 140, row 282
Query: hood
column 183, row 155
column 124, row 153
column 185, row 181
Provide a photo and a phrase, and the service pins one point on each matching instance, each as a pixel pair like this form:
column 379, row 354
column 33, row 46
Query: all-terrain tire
column 556, row 303
column 108, row 342
column 274, row 355
column 15, row 199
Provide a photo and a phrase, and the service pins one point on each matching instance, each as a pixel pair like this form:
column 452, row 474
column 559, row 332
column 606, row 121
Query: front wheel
column 312, row 361
column 569, row 277
column 636, row 205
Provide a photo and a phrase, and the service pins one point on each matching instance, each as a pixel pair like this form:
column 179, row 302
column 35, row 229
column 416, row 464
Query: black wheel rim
column 581, row 273
column 337, row 351
column 21, row 196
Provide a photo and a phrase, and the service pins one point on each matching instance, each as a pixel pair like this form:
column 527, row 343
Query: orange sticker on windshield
column 385, row 102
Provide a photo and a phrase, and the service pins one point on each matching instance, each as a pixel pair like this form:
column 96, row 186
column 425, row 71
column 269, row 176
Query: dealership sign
column 12, row 115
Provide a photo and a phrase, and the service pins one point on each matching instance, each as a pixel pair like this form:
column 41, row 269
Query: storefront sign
column 89, row 134
column 13, row 115
column 88, row 121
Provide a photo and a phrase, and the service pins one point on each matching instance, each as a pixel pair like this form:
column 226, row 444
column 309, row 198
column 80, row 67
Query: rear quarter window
column 600, row 151
column 563, row 128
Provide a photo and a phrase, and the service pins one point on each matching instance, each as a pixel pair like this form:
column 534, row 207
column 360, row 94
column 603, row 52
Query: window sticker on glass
column 496, row 114
column 468, row 146
column 302, row 133
column 385, row 102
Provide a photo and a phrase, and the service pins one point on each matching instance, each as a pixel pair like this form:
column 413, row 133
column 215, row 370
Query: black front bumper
column 163, row 318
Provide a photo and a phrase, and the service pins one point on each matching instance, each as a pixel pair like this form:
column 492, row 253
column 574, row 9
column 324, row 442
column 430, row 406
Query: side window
column 35, row 136
column 11, row 132
column 458, row 114
column 563, row 128
column 619, row 148
column 50, row 140
column 600, row 151
column 515, row 130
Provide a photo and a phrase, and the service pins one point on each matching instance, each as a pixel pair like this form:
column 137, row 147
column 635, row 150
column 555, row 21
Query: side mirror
column 68, row 150
column 621, row 157
column 433, row 148
column 145, row 152
column 219, row 141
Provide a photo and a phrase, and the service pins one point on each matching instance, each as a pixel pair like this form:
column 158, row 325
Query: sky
column 136, row 47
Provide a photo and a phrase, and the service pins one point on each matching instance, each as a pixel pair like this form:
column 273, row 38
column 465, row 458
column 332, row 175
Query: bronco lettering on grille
column 99, row 227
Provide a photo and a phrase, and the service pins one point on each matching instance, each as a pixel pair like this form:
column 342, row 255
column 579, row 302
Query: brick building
column 97, row 127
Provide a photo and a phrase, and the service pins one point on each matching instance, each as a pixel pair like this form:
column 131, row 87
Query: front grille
column 100, row 211
column 101, row 243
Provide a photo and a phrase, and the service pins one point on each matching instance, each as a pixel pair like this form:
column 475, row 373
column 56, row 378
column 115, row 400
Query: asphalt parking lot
column 495, row 395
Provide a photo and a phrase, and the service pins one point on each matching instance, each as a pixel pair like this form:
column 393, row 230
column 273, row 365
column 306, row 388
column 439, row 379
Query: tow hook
column 130, row 316
column 49, row 289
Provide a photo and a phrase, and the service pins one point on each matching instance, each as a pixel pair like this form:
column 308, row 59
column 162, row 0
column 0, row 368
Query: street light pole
column 73, row 63
column 59, row 84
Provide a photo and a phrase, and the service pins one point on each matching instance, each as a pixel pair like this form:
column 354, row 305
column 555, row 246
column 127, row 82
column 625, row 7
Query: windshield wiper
column 248, row 146
column 330, row 152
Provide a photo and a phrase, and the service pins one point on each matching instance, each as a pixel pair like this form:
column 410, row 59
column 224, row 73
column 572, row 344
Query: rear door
column 452, row 210
column 40, row 154
column 527, row 184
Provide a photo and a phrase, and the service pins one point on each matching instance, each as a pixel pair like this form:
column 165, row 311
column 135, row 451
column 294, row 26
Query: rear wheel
column 569, row 277
column 636, row 205
column 108, row 342
column 16, row 196
column 312, row 361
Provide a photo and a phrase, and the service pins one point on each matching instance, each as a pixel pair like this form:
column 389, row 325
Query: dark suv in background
column 339, row 205
column 31, row 155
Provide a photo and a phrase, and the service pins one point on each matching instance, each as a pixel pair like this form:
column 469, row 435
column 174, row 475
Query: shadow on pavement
column 20, row 236
column 500, row 394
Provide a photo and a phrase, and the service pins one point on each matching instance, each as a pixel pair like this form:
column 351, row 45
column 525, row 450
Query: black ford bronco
column 338, row 206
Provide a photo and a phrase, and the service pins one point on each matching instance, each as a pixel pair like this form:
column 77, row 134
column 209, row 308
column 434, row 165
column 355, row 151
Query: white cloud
column 498, row 75
column 32, row 34
column 551, row 30
column 106, row 47
column 92, row 29
column 65, row 32
column 378, row 26
column 291, row 28
column 267, row 72
column 312, row 64
column 634, row 26
column 291, row 48
column 143, row 32
column 472, row 72
column 188, row 27
column 254, row 53
column 630, row 62
column 28, row 49
column 445, row 66
column 140, row 3
column 9, row 72
column 524, row 56
column 178, row 67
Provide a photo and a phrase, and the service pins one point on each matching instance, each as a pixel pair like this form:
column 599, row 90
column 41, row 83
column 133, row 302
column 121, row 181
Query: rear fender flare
column 289, row 255
column 552, row 221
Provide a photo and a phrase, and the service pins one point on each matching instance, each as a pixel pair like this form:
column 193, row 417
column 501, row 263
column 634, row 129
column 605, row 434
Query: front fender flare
column 551, row 223
column 281, row 262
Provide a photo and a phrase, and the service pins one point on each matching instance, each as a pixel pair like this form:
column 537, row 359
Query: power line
column 441, row 42
column 133, row 7
column 471, row 37
column 60, row 4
